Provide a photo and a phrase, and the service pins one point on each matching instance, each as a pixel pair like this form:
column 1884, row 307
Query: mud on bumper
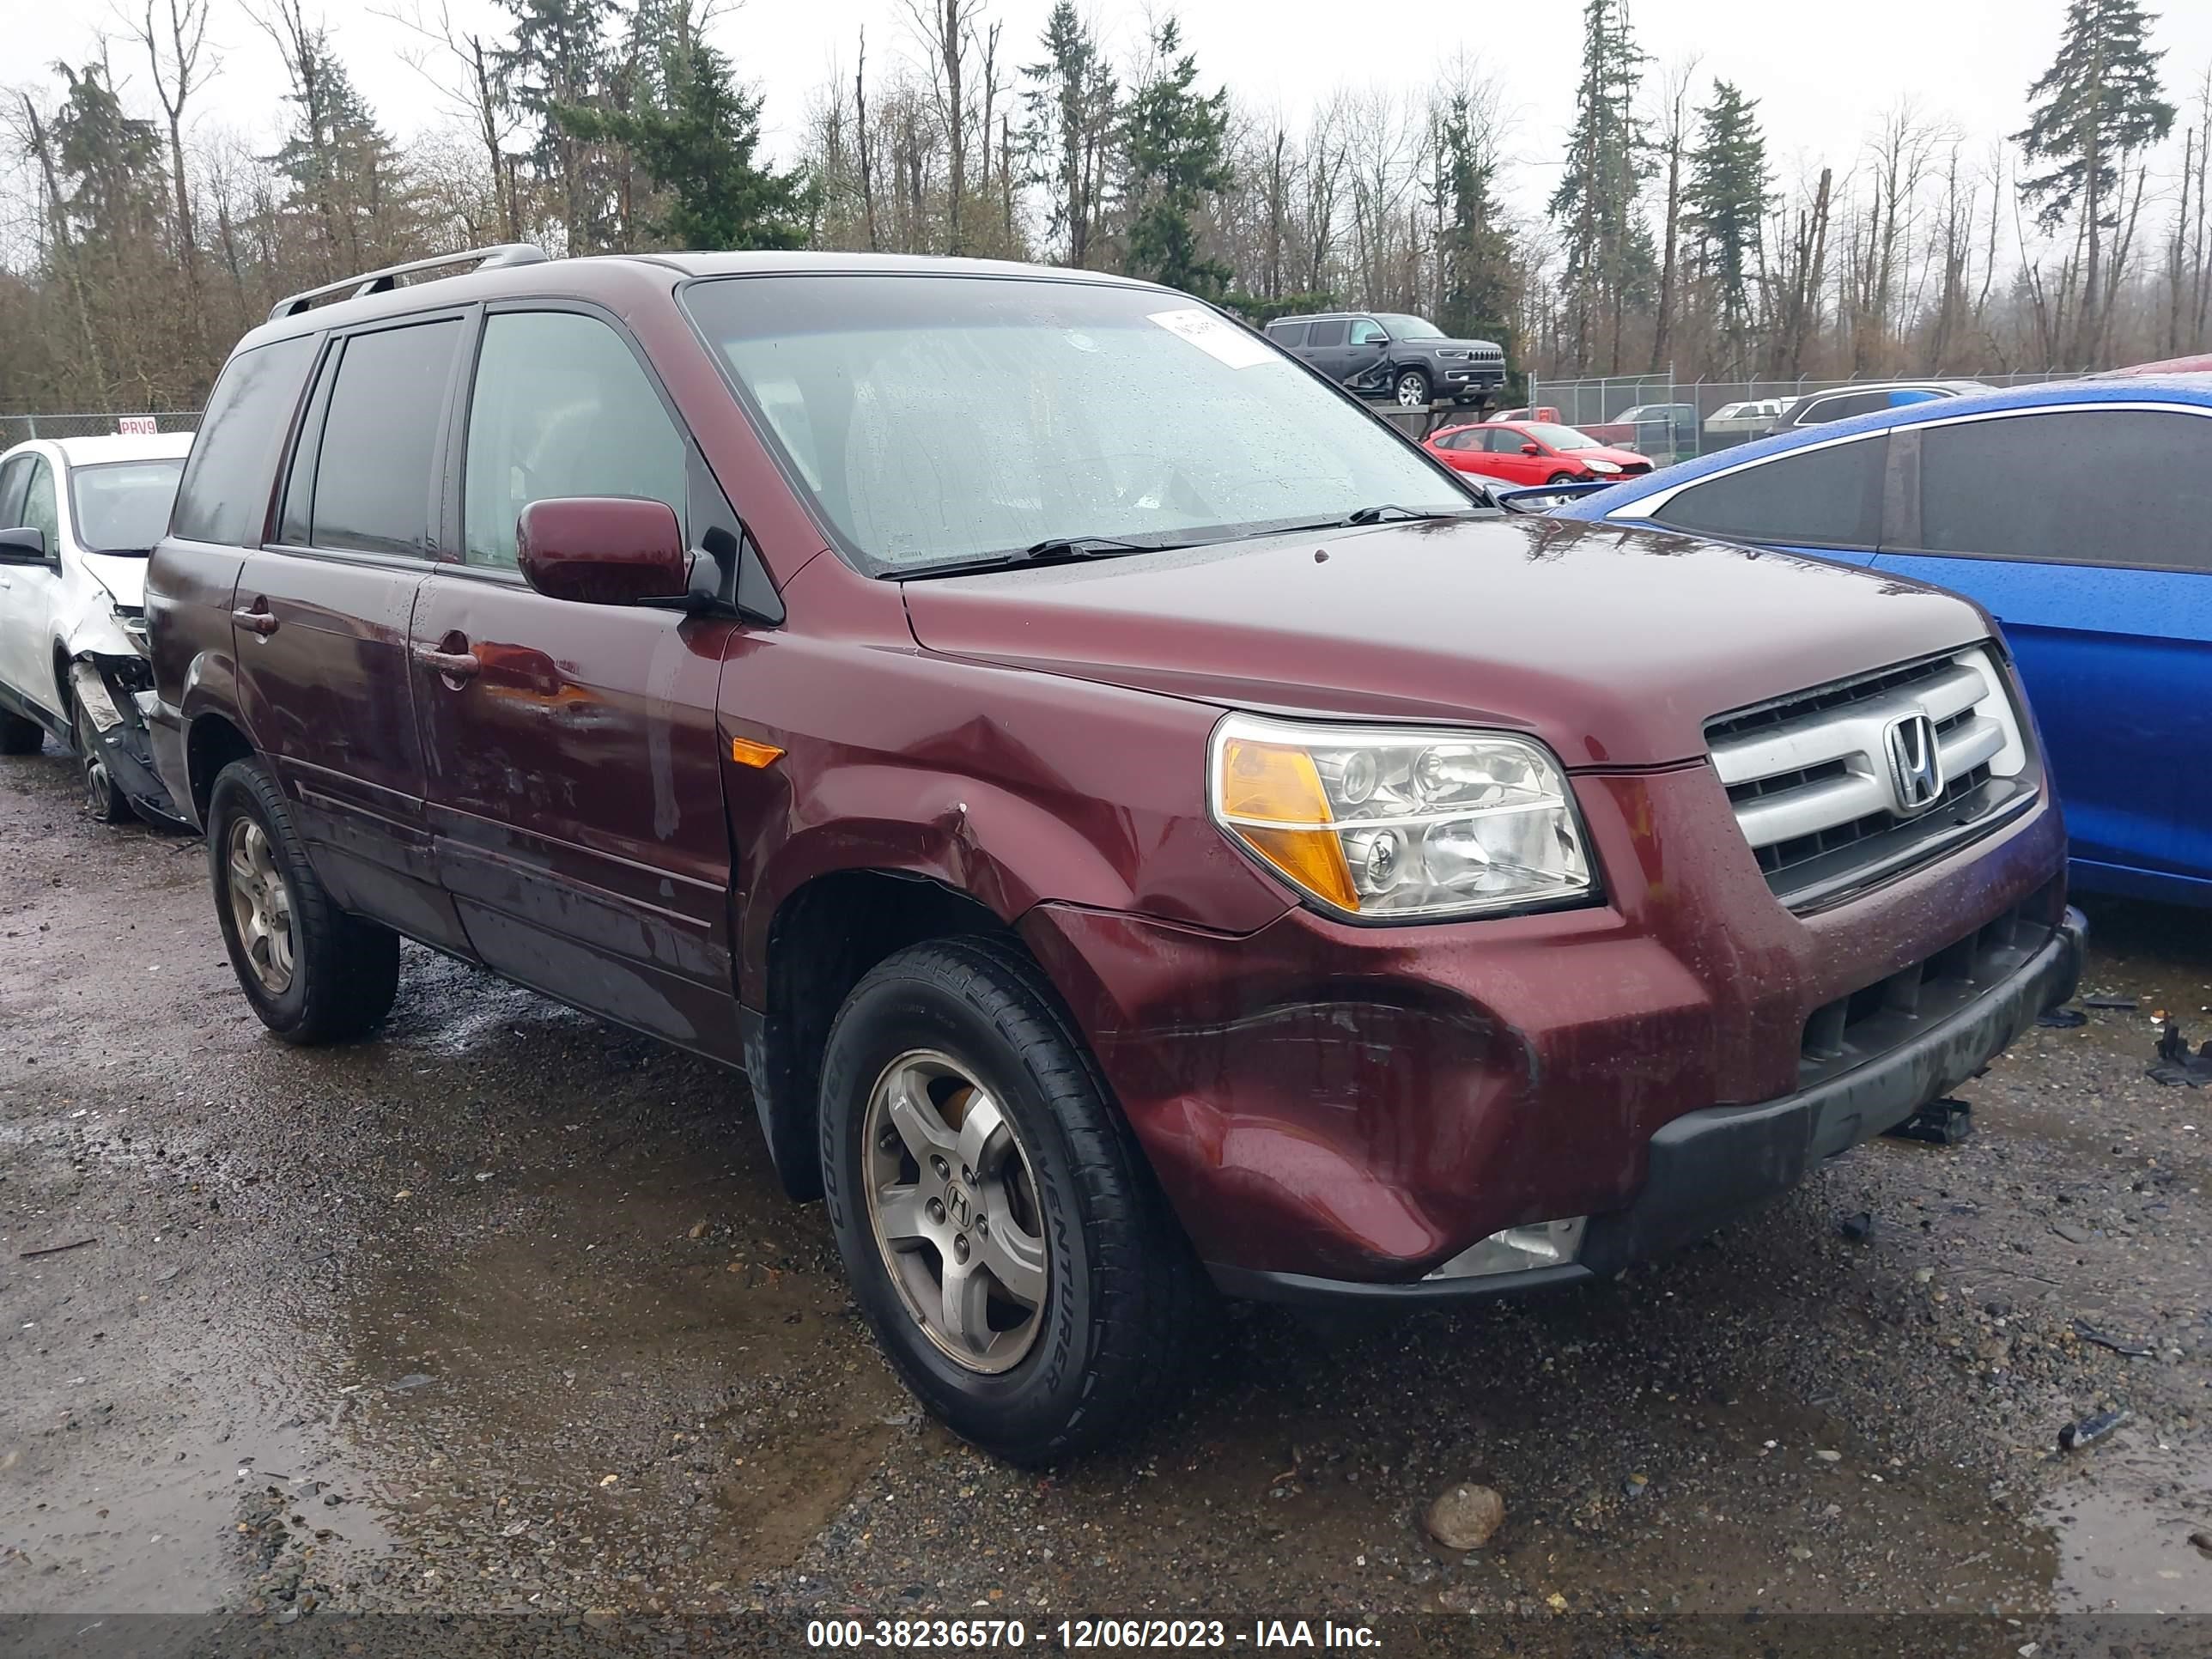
column 1709, row 1167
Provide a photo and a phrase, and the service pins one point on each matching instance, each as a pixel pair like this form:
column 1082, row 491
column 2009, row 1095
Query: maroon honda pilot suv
column 1140, row 824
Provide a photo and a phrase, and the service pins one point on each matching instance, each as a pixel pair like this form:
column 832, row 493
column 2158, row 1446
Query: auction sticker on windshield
column 1214, row 337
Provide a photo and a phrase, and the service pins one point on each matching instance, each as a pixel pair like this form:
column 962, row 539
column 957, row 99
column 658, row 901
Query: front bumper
column 117, row 710
column 1471, row 382
column 1706, row 1168
column 1361, row 1104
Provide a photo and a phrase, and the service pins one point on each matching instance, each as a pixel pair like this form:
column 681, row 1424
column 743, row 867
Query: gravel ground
column 502, row 1311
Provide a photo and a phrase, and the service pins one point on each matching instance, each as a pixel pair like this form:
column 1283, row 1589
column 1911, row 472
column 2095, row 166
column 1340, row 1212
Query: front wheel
column 1559, row 478
column 312, row 973
column 1412, row 389
column 1001, row 1232
column 103, row 800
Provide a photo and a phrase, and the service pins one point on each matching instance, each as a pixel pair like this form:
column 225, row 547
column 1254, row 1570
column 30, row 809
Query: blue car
column 2080, row 515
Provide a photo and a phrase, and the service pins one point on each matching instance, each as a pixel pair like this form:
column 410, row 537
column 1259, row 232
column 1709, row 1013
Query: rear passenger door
column 1325, row 347
column 2088, row 532
column 321, row 617
column 1825, row 500
column 575, row 774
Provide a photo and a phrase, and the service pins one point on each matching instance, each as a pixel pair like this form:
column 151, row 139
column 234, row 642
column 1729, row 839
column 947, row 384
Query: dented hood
column 123, row 576
column 1614, row 646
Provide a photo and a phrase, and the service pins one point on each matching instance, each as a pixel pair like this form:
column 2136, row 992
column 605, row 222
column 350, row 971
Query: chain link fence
column 1672, row 420
column 21, row 428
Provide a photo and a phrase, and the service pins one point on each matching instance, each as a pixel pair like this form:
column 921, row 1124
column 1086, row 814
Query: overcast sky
column 1823, row 71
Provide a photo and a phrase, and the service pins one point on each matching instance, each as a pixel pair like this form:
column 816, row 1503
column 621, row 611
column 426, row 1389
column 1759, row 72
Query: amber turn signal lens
column 746, row 753
column 1264, row 785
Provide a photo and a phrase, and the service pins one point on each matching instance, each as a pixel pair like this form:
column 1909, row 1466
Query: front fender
column 1006, row 849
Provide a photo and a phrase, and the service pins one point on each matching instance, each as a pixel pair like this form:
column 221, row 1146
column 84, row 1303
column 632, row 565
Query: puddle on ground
column 219, row 1492
column 2123, row 1518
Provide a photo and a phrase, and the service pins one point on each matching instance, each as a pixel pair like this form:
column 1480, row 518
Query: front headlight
column 1391, row 823
column 1607, row 468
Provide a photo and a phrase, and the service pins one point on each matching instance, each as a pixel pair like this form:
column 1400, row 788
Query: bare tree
column 468, row 83
column 174, row 48
column 1673, row 128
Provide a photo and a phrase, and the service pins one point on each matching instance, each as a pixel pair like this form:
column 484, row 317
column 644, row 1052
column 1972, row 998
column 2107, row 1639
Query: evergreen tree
column 108, row 161
column 2098, row 103
column 559, row 60
column 1071, row 101
column 1728, row 194
column 696, row 132
column 1178, row 155
column 1474, row 252
column 1608, row 247
column 344, row 172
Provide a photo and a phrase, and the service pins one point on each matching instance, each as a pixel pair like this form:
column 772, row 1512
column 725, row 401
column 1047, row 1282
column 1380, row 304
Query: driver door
column 28, row 591
column 1367, row 351
column 1510, row 460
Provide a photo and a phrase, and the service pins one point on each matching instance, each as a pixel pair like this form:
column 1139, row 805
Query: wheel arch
column 823, row 937
column 212, row 741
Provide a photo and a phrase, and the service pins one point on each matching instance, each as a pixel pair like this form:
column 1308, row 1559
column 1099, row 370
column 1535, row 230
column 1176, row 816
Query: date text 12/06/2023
column 1082, row 1634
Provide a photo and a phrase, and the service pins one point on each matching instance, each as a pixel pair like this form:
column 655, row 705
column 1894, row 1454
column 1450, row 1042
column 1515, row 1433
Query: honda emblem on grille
column 1915, row 764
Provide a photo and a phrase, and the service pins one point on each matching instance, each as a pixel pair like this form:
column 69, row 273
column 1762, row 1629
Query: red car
column 1533, row 452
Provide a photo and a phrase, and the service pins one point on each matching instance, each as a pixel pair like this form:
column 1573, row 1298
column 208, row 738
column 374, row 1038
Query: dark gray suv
column 1390, row 354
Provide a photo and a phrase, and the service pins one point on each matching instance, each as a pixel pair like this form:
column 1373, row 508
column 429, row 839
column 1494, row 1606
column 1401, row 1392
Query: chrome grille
column 1816, row 792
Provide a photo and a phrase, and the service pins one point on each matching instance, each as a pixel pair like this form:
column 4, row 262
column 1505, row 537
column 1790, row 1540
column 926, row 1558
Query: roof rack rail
column 384, row 280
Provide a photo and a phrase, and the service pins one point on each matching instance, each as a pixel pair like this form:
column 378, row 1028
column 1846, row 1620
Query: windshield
column 1561, row 437
column 936, row 419
column 1403, row 327
column 123, row 506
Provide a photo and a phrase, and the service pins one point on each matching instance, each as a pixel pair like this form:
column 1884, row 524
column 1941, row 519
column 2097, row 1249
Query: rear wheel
column 102, row 799
column 19, row 736
column 1002, row 1234
column 312, row 973
column 1412, row 389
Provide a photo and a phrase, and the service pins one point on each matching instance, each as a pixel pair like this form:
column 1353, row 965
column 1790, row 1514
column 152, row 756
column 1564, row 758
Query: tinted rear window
column 373, row 479
column 225, row 492
column 1327, row 334
column 1827, row 497
column 2093, row 486
column 1287, row 334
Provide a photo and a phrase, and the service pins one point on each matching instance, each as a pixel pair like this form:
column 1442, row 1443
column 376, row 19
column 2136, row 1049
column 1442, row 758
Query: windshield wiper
column 1361, row 516
column 1083, row 547
column 1374, row 514
column 1053, row 549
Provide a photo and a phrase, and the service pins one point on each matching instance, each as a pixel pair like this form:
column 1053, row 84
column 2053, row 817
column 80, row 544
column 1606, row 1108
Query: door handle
column 255, row 622
column 453, row 665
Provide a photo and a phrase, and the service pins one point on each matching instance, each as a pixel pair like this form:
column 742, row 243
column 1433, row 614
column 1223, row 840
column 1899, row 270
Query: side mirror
column 1532, row 449
column 603, row 549
column 24, row 546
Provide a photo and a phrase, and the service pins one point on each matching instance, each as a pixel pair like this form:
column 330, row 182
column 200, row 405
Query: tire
column 966, row 1023
column 19, row 736
column 1557, row 478
column 1411, row 389
column 332, row 976
column 103, row 801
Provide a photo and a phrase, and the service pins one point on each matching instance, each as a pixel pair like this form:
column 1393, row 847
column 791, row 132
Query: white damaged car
column 78, row 517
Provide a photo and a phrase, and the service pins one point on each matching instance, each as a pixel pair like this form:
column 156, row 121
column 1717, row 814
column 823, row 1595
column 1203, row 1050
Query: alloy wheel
column 953, row 1206
column 1412, row 394
column 260, row 905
